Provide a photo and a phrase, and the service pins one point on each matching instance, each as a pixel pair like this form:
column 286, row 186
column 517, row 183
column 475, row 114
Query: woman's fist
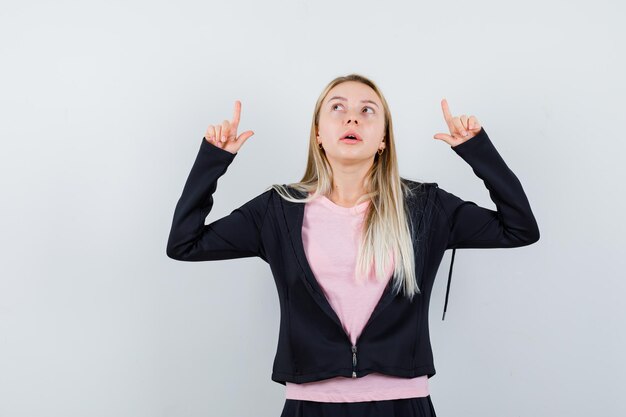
column 461, row 128
column 224, row 135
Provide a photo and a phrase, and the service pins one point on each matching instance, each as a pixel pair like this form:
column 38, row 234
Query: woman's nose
column 352, row 119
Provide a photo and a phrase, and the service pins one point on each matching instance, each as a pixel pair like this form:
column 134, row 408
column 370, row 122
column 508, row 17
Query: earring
column 380, row 151
column 319, row 145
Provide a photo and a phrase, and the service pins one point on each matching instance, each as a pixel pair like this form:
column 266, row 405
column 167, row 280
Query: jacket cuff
column 471, row 145
column 215, row 152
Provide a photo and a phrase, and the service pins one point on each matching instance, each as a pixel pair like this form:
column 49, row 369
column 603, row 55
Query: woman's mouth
column 349, row 140
column 351, row 136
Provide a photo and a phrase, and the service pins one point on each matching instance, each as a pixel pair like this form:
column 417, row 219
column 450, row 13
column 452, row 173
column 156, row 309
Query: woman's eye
column 367, row 107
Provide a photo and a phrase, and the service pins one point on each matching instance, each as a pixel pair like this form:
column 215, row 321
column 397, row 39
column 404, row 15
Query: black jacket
column 312, row 344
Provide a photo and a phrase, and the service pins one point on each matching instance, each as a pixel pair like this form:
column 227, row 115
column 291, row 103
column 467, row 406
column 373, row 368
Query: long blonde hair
column 387, row 227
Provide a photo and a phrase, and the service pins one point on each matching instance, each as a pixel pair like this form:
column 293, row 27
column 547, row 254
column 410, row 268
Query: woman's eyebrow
column 343, row 98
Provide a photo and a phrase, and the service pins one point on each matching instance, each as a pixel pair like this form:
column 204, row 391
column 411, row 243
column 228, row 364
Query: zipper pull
column 354, row 361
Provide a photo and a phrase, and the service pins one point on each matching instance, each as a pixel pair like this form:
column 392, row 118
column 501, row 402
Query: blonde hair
column 386, row 227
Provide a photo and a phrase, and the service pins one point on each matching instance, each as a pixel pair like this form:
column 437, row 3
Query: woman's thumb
column 244, row 136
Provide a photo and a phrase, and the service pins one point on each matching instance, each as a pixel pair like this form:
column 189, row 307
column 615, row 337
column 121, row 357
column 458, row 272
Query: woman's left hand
column 462, row 128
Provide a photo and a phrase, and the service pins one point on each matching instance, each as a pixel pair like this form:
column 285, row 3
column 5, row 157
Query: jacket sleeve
column 236, row 235
column 472, row 226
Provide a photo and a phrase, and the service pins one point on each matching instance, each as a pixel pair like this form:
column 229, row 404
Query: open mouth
column 351, row 136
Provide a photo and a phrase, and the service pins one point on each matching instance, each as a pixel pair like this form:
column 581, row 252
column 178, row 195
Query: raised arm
column 237, row 235
column 472, row 226
column 512, row 224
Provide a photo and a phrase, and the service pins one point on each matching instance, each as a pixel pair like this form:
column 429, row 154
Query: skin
column 349, row 162
column 462, row 128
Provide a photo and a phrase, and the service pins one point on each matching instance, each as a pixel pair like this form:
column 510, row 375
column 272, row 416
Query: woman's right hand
column 224, row 135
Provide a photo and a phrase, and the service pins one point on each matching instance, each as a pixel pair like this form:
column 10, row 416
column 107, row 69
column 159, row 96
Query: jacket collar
column 294, row 216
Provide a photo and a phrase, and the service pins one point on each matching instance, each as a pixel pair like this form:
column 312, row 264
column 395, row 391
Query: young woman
column 354, row 249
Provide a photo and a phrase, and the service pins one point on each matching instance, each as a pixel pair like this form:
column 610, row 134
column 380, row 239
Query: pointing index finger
column 236, row 114
column 446, row 110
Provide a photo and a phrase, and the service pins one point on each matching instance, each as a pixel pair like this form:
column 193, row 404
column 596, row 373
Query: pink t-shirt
column 330, row 234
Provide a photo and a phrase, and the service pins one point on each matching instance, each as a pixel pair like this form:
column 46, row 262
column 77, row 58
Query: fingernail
column 223, row 138
column 464, row 133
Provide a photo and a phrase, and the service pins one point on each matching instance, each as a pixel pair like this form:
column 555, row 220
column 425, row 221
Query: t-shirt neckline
column 357, row 209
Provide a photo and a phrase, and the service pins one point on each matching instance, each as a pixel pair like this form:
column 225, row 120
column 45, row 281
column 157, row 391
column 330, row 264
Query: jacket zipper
column 354, row 349
column 353, row 361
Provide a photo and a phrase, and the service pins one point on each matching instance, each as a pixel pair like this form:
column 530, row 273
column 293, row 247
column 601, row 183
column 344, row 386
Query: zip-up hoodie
column 312, row 344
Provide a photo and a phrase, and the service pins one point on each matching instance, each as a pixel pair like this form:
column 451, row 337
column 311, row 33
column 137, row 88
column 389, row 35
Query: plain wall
column 103, row 107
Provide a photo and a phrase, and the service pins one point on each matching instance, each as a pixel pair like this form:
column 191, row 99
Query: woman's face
column 351, row 106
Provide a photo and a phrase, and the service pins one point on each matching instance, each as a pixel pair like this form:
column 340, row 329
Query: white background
column 103, row 108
